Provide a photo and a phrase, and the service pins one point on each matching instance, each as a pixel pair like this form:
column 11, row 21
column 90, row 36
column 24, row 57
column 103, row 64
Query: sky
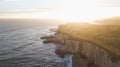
column 73, row 10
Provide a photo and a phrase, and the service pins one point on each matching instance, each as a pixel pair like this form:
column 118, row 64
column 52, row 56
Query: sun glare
column 73, row 10
column 88, row 10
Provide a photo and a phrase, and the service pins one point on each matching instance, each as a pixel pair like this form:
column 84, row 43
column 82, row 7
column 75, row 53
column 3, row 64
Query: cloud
column 30, row 10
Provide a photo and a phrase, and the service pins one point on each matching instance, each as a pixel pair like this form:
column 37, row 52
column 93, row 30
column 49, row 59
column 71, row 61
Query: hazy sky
column 67, row 9
column 29, row 4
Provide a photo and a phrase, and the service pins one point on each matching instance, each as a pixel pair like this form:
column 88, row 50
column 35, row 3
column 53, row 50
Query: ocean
column 21, row 46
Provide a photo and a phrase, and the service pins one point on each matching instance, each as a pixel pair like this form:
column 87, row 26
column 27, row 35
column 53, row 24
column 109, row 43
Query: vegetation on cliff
column 105, row 36
column 109, row 21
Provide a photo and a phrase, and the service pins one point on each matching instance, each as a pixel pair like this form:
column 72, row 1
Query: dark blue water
column 21, row 46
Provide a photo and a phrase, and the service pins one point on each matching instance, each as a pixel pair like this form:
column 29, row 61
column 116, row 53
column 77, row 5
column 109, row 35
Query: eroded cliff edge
column 96, row 54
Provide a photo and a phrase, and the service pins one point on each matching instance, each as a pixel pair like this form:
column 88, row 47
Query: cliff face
column 97, row 55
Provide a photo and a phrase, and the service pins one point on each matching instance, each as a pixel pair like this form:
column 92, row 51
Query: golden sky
column 69, row 10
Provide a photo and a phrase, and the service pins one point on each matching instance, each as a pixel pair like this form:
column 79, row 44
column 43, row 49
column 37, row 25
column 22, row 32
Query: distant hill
column 109, row 21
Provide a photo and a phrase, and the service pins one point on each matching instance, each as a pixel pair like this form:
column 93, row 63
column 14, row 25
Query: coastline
column 84, row 53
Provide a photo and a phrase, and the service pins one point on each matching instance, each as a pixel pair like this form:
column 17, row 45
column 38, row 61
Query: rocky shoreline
column 84, row 53
column 74, row 59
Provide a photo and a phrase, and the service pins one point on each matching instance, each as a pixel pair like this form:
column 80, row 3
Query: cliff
column 91, row 45
column 95, row 54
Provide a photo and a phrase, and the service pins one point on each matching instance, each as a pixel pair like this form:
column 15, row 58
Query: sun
column 73, row 11
column 87, row 10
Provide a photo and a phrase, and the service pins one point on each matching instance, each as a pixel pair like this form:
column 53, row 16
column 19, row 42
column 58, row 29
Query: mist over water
column 21, row 46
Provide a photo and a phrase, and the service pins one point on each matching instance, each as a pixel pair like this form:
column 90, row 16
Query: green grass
column 105, row 36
